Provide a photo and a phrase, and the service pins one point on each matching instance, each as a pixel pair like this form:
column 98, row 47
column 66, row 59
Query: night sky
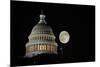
column 78, row 20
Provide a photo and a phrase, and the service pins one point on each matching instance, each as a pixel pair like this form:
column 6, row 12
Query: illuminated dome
column 41, row 39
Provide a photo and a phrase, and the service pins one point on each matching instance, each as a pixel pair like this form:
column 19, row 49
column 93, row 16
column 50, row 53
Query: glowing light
column 64, row 37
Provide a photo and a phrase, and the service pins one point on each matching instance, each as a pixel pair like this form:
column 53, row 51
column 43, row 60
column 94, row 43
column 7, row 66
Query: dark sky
column 78, row 20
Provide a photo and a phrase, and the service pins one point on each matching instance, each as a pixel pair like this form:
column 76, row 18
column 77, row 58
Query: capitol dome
column 41, row 39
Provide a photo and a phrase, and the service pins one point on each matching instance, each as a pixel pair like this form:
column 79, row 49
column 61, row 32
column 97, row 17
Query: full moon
column 64, row 37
